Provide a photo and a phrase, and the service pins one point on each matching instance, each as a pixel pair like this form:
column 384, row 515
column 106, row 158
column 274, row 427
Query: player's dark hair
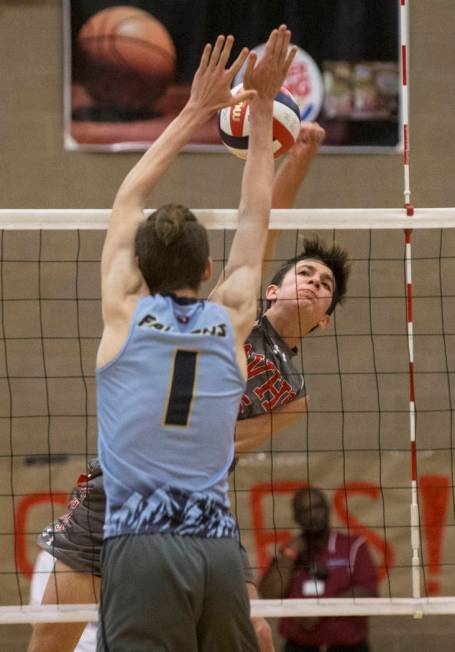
column 309, row 491
column 172, row 249
column 333, row 256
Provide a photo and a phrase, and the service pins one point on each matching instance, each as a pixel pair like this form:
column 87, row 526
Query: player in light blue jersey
column 171, row 370
column 75, row 539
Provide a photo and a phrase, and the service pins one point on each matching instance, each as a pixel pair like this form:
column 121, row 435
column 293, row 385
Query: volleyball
column 234, row 124
column 129, row 56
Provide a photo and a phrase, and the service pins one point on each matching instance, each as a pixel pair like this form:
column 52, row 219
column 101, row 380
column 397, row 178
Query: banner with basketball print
column 129, row 66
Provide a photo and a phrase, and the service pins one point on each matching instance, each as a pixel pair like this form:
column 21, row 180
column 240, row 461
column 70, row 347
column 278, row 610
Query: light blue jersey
column 167, row 409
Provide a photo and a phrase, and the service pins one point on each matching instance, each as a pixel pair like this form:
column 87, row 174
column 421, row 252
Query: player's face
column 310, row 284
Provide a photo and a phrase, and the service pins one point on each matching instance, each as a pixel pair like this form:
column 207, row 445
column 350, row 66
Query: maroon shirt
column 348, row 564
column 273, row 380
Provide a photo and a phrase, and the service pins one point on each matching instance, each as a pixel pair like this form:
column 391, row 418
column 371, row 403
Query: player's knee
column 263, row 634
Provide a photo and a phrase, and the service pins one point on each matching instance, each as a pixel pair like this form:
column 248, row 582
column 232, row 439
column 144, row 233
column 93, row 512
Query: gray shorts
column 76, row 538
column 168, row 593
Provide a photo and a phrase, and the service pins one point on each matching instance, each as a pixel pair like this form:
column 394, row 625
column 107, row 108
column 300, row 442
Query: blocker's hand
column 268, row 74
column 210, row 90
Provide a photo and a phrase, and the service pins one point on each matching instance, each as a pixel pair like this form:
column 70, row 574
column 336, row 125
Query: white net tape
column 88, row 613
column 219, row 219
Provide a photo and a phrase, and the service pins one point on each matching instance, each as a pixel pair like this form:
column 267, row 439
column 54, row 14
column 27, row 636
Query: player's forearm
column 275, row 582
column 286, row 184
column 256, row 196
column 285, row 187
column 248, row 247
column 290, row 177
column 296, row 165
column 141, row 180
column 252, row 433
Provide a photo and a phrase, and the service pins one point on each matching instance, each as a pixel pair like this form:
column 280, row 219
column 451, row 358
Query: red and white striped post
column 415, row 520
column 404, row 30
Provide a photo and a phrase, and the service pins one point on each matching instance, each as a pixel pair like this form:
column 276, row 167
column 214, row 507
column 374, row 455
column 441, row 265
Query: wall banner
column 129, row 66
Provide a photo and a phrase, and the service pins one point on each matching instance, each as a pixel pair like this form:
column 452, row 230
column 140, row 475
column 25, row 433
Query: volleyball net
column 378, row 438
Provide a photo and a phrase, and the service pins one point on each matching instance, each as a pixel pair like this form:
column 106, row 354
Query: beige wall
column 36, row 172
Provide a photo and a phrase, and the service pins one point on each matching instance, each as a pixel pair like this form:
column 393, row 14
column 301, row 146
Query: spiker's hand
column 309, row 140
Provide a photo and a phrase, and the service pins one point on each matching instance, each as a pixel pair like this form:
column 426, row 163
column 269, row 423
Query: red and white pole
column 404, row 30
column 415, row 520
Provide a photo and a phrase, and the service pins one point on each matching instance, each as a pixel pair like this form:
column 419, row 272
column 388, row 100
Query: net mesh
column 353, row 443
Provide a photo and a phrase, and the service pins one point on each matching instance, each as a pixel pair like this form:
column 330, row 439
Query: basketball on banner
column 234, row 124
column 128, row 58
column 303, row 81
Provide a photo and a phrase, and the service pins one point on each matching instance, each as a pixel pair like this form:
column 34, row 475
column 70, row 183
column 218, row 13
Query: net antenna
column 415, row 524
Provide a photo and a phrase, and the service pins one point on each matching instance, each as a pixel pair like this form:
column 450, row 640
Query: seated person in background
column 321, row 563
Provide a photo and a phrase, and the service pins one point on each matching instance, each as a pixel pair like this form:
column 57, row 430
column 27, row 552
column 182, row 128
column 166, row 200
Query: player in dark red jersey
column 274, row 384
column 301, row 297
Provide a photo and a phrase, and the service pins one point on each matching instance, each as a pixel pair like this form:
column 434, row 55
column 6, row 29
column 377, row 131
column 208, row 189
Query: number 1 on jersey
column 181, row 388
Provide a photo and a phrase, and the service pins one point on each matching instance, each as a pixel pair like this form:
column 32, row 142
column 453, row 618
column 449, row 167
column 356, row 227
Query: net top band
column 219, row 219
